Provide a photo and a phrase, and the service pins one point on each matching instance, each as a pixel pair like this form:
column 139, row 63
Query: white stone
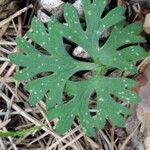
column 80, row 52
column 147, row 142
column 78, row 6
column 43, row 17
column 147, row 23
column 55, row 7
column 50, row 4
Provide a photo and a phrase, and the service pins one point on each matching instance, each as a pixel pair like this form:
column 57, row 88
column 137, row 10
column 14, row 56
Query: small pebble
column 80, row 52
column 147, row 24
column 147, row 142
column 55, row 7
column 42, row 16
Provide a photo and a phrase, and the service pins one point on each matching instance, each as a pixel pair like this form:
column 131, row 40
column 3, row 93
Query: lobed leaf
column 119, row 51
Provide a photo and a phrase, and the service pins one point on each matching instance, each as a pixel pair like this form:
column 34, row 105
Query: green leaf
column 47, row 54
column 18, row 134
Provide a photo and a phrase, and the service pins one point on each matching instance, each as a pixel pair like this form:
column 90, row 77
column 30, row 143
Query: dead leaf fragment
column 143, row 109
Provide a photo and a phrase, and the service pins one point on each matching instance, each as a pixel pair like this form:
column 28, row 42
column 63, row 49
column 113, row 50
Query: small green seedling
column 18, row 134
column 119, row 51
